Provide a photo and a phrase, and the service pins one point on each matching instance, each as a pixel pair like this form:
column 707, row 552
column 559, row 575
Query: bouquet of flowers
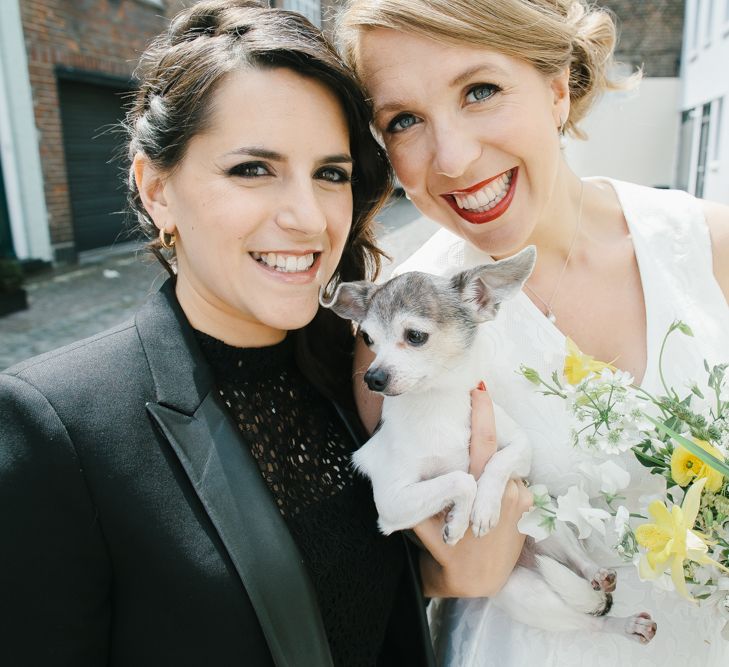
column 682, row 440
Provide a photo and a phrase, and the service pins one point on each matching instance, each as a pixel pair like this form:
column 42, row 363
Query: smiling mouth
column 284, row 263
column 485, row 201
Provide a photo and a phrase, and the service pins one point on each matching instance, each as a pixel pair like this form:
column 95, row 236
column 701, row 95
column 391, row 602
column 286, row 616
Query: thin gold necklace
column 549, row 314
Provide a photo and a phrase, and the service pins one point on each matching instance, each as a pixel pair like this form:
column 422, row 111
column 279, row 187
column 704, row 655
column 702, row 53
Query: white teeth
column 485, row 198
column 285, row 263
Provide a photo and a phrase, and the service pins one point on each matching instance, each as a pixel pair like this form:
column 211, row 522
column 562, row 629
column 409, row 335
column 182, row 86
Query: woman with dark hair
column 471, row 99
column 177, row 490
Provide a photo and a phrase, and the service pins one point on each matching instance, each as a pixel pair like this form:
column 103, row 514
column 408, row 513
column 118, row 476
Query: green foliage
column 11, row 276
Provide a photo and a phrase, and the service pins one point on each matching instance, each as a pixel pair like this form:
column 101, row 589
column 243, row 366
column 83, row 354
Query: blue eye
column 401, row 122
column 481, row 92
column 250, row 170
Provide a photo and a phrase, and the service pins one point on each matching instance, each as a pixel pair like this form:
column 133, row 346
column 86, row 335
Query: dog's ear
column 485, row 287
column 350, row 300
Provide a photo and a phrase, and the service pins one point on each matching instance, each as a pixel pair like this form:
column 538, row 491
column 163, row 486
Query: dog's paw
column 604, row 580
column 456, row 525
column 486, row 512
column 641, row 628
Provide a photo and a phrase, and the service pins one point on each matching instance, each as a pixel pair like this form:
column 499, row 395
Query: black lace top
column 303, row 451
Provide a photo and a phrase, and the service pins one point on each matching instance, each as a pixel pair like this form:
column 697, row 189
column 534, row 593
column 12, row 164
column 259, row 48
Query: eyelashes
column 249, row 170
column 481, row 92
column 401, row 122
column 475, row 94
column 258, row 169
column 334, row 175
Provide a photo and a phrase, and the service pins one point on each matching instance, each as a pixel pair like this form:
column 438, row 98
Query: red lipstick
column 487, row 216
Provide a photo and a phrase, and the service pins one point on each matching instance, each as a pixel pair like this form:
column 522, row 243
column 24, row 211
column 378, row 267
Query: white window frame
column 693, row 36
column 709, row 23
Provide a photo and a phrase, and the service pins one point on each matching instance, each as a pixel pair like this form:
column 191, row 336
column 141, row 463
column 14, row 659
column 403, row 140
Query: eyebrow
column 459, row 80
column 472, row 71
column 275, row 156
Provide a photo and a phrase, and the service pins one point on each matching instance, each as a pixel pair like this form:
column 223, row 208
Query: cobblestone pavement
column 76, row 302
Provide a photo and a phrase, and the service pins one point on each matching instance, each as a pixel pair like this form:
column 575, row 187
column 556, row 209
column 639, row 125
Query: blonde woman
column 470, row 99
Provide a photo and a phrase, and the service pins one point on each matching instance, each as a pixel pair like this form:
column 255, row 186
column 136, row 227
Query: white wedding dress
column 673, row 250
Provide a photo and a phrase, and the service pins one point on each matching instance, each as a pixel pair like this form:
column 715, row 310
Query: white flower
column 607, row 477
column 724, row 390
column 635, row 418
column 622, row 522
column 536, row 523
column 574, row 507
column 617, row 440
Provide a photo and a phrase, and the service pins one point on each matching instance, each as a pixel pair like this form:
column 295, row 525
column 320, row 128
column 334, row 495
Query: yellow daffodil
column 686, row 467
column 670, row 541
column 577, row 366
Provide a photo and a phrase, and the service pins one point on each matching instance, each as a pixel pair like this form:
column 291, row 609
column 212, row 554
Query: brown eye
column 415, row 337
column 367, row 340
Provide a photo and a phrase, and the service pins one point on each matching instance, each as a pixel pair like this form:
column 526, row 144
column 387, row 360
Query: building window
column 685, row 149
column 696, row 26
column 718, row 127
column 709, row 22
column 309, row 8
column 703, row 150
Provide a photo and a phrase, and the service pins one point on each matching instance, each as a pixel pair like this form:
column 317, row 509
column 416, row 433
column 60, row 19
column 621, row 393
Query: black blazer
column 136, row 527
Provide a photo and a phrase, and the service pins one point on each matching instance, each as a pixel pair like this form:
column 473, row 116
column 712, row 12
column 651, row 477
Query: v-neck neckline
column 643, row 260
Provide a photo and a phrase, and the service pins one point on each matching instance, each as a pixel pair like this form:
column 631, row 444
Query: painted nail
column 481, row 386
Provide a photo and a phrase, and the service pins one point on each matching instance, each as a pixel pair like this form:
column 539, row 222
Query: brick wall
column 650, row 34
column 96, row 36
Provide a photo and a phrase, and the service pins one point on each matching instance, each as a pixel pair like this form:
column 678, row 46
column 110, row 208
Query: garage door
column 95, row 181
column 6, row 242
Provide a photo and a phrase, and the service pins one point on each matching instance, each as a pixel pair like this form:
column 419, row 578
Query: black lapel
column 230, row 487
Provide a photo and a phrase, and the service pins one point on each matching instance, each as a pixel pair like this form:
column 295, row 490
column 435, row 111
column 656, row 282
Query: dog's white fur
column 418, row 459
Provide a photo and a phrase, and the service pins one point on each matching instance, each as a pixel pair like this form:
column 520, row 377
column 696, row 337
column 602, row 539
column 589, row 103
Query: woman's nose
column 454, row 150
column 301, row 211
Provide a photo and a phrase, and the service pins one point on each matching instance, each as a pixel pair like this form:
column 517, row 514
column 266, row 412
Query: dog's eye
column 415, row 337
column 367, row 340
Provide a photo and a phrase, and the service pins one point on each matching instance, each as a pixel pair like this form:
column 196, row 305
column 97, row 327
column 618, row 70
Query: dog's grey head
column 419, row 325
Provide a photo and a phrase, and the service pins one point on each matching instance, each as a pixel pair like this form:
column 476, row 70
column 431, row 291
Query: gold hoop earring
column 163, row 239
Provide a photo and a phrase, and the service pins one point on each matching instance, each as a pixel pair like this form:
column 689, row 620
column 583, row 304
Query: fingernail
column 481, row 386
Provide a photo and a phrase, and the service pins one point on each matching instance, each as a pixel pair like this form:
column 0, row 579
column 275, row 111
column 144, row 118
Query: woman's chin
column 295, row 317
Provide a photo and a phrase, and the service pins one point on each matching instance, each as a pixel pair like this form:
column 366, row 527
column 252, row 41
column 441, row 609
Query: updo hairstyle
column 180, row 71
column 549, row 34
column 178, row 75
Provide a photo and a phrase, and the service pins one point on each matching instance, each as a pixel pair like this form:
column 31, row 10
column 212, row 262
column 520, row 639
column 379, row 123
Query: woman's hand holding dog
column 475, row 567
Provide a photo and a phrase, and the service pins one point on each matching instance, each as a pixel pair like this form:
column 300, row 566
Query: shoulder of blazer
column 229, row 485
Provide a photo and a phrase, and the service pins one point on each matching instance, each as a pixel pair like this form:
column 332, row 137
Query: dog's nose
column 377, row 379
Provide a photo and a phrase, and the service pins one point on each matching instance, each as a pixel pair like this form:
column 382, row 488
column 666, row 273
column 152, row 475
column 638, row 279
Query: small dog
column 423, row 330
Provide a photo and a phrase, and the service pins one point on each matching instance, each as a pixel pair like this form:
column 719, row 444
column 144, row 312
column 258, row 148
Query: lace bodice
column 303, row 452
column 673, row 250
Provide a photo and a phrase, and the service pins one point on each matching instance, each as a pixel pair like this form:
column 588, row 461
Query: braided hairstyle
column 178, row 75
